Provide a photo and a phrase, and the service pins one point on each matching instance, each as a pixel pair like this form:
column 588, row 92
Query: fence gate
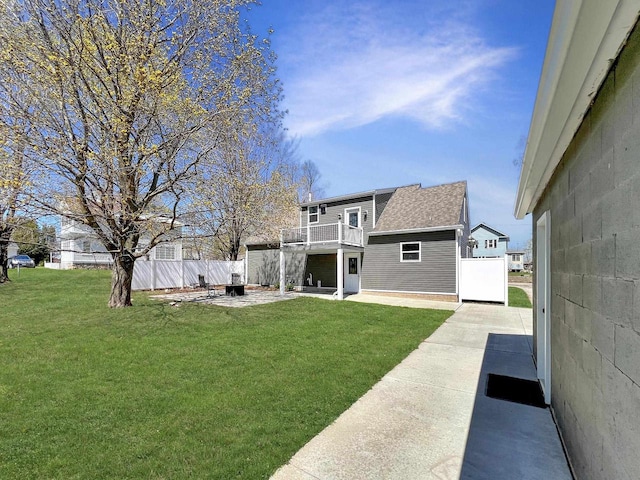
column 484, row 279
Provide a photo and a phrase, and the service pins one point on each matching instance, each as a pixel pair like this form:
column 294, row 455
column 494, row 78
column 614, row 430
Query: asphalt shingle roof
column 414, row 207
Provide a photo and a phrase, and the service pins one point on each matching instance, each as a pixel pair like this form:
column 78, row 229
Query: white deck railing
column 333, row 232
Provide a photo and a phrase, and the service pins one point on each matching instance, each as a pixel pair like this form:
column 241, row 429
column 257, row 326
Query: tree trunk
column 121, row 277
column 5, row 238
column 234, row 249
column 4, row 259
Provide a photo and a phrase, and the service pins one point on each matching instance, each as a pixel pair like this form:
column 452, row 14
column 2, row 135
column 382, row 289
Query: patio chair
column 211, row 290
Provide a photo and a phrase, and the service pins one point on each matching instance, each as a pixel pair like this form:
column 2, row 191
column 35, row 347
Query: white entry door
column 543, row 303
column 352, row 272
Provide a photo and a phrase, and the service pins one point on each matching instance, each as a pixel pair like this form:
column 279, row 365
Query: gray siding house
column 580, row 182
column 405, row 240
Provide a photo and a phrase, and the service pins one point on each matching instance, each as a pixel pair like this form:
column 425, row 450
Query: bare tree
column 528, row 251
column 246, row 188
column 119, row 96
column 310, row 181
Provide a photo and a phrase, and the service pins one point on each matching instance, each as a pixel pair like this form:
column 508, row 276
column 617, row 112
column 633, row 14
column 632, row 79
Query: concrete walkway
column 429, row 417
column 403, row 302
column 527, row 287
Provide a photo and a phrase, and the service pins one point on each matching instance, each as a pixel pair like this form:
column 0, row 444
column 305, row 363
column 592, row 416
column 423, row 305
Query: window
column 410, row 252
column 493, row 243
column 85, row 246
column 313, row 214
column 353, row 266
column 352, row 216
column 165, row 252
column 515, row 258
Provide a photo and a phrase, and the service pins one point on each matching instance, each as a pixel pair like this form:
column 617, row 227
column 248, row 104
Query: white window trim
column 164, row 248
column 345, row 219
column 402, row 260
column 85, row 246
column 317, row 214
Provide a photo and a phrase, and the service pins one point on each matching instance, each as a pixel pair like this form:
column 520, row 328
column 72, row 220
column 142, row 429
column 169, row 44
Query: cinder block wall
column 594, row 199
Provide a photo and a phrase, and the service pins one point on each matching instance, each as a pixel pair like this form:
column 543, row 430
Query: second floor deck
column 338, row 233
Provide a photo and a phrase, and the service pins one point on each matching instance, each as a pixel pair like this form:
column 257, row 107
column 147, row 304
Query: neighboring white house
column 80, row 247
column 516, row 260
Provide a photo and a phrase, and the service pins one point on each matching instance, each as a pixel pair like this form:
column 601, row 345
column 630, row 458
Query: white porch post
column 506, row 280
column 458, row 259
column 340, row 273
column 283, row 271
column 153, row 274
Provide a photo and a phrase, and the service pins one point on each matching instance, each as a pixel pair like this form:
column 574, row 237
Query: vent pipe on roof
column 310, row 196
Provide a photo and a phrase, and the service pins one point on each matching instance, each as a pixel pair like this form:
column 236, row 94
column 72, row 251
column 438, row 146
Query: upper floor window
column 515, row 258
column 165, row 251
column 85, row 246
column 410, row 252
column 492, row 243
column 313, row 214
column 352, row 216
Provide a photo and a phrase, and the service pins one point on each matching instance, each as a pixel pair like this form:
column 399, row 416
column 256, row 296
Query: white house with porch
column 80, row 247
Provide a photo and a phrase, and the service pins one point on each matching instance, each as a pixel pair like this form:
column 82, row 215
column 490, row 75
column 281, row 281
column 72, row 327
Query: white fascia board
column 487, row 227
column 416, row 230
column 586, row 37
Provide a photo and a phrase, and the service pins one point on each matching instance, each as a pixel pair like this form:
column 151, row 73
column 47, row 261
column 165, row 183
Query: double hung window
column 410, row 252
column 313, row 214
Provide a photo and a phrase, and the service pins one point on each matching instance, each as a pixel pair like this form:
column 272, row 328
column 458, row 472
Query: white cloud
column 352, row 65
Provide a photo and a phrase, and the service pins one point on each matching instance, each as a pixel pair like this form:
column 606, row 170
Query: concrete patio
column 250, row 298
column 429, row 417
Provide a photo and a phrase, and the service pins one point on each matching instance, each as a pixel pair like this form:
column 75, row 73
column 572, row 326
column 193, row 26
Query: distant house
column 580, row 181
column 397, row 240
column 516, row 260
column 80, row 247
column 489, row 242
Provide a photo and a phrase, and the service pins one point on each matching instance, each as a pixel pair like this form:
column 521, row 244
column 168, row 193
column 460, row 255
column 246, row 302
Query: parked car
column 24, row 261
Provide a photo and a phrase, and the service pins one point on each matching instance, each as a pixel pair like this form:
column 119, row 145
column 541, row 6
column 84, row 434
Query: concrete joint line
column 303, row 471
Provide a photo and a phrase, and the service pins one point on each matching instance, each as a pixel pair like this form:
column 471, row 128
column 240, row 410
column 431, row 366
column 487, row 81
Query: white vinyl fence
column 484, row 279
column 153, row 274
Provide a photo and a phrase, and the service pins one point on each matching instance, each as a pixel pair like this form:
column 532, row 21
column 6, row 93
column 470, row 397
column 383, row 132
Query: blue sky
column 389, row 93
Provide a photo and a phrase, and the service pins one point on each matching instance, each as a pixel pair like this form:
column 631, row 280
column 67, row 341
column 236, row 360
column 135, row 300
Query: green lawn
column 155, row 391
column 518, row 298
